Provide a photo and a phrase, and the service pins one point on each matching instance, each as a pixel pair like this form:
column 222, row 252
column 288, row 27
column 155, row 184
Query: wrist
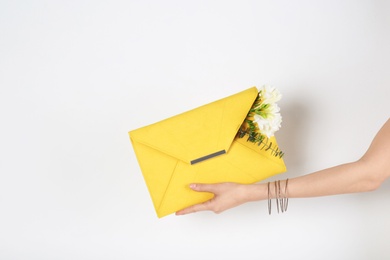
column 255, row 192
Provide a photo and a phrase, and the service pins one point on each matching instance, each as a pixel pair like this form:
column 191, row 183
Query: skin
column 365, row 174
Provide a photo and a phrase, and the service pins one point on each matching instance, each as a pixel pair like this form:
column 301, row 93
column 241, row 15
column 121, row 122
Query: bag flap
column 200, row 133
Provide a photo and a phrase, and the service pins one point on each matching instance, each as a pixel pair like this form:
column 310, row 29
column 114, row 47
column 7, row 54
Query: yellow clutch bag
column 201, row 146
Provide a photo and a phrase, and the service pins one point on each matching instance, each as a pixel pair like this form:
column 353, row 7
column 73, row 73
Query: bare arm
column 366, row 174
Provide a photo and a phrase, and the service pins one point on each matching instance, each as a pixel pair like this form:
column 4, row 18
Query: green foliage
column 262, row 141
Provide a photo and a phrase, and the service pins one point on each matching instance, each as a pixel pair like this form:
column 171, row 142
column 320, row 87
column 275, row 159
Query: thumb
column 204, row 187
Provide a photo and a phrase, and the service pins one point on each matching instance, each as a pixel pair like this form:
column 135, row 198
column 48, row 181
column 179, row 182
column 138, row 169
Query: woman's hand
column 226, row 195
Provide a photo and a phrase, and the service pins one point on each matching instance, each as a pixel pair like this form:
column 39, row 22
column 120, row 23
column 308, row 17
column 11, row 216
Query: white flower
column 269, row 125
column 269, row 94
column 270, row 110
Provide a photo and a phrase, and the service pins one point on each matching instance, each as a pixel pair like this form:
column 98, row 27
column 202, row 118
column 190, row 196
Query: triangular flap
column 158, row 174
column 200, row 132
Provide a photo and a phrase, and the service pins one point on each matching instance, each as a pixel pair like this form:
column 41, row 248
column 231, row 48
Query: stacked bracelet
column 281, row 199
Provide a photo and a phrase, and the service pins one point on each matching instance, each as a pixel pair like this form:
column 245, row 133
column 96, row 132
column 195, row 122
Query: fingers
column 212, row 188
column 195, row 208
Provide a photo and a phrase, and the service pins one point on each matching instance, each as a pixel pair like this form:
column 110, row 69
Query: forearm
column 363, row 175
column 342, row 179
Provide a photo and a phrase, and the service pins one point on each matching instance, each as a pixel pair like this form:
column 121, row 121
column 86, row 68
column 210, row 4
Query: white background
column 76, row 76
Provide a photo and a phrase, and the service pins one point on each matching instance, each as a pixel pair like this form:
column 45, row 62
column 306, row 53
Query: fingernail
column 192, row 185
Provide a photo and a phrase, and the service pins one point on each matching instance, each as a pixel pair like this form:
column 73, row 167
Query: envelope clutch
column 201, row 146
